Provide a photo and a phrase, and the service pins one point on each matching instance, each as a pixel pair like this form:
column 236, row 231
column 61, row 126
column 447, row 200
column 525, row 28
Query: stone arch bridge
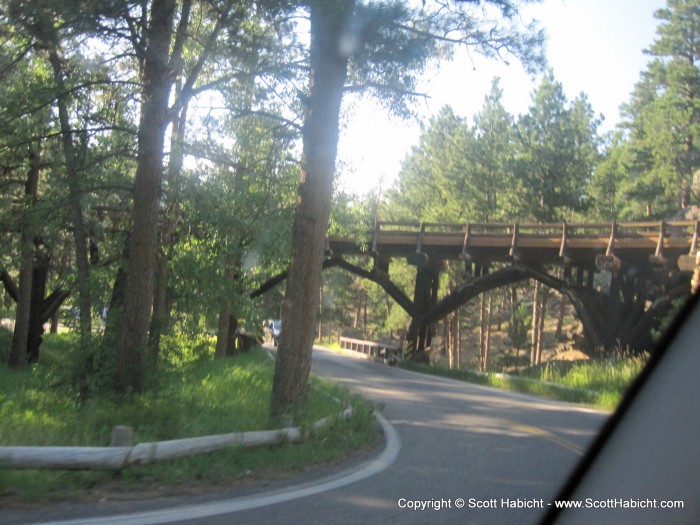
column 648, row 266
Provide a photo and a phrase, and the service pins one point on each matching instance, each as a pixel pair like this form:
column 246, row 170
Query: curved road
column 451, row 443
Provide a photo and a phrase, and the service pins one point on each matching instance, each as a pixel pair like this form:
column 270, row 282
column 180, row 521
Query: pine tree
column 663, row 117
column 558, row 150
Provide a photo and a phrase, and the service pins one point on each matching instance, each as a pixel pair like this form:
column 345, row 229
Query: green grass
column 609, row 377
column 198, row 397
column 600, row 384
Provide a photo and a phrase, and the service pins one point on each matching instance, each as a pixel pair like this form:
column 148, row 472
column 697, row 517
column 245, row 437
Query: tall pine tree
column 663, row 114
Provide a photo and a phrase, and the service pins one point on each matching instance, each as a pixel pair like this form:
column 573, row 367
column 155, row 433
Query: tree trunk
column 536, row 312
column 116, row 300
column 36, row 322
column 540, row 338
column 328, row 70
column 138, row 296
column 452, row 337
column 364, row 316
column 457, row 336
column 74, row 192
column 489, row 315
column 63, row 265
column 685, row 195
column 482, row 332
column 504, row 300
column 320, row 313
column 538, row 318
column 358, row 310
column 18, row 350
column 231, row 335
column 560, row 318
column 224, row 333
column 447, row 339
column 159, row 319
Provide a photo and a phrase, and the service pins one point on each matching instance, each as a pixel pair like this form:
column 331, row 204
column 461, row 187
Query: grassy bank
column 600, row 384
column 197, row 397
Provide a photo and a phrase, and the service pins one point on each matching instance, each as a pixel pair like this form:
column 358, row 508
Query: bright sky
column 594, row 46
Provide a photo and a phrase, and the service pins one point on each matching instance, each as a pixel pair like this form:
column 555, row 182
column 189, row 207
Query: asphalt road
column 456, row 453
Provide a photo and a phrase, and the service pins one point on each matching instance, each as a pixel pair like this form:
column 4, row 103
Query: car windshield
column 499, row 192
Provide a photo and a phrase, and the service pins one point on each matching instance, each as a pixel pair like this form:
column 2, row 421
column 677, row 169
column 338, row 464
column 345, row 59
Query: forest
column 161, row 160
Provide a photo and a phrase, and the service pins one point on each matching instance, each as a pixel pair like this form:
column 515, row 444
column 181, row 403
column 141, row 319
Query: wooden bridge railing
column 652, row 237
column 371, row 348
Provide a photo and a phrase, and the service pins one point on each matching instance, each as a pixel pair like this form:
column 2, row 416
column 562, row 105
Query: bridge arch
column 640, row 258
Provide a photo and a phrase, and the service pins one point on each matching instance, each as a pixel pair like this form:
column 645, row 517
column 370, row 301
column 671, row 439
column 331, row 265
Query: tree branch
column 10, row 285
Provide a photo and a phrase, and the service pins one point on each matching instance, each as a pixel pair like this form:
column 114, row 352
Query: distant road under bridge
column 649, row 264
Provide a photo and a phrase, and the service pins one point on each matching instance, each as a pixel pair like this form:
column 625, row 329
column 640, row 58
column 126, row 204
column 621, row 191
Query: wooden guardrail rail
column 387, row 352
column 119, row 457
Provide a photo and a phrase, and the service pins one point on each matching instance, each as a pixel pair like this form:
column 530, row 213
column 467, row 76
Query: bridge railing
column 388, row 352
column 654, row 236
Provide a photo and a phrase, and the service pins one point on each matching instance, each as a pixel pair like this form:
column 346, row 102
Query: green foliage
column 186, row 344
column 663, row 120
column 609, row 189
column 492, row 160
column 92, row 366
column 352, row 215
column 519, row 326
column 201, row 396
column 612, row 375
column 238, row 211
column 557, row 152
column 496, row 170
column 432, row 184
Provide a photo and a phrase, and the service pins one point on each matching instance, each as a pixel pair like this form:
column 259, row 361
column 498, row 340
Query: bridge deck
column 541, row 242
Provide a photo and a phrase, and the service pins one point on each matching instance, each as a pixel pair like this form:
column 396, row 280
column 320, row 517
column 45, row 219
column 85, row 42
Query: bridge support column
column 625, row 317
column 424, row 299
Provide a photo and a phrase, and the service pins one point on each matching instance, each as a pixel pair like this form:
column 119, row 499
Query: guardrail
column 651, row 236
column 657, row 241
column 119, row 457
column 389, row 353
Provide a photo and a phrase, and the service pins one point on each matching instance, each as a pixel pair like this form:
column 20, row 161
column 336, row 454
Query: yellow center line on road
column 544, row 434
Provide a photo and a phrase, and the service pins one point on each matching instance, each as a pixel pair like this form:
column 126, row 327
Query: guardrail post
column 419, row 259
column 464, row 256
column 610, row 251
column 609, row 262
column 564, row 240
column 659, row 253
column 514, row 243
column 694, row 244
column 122, row 436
